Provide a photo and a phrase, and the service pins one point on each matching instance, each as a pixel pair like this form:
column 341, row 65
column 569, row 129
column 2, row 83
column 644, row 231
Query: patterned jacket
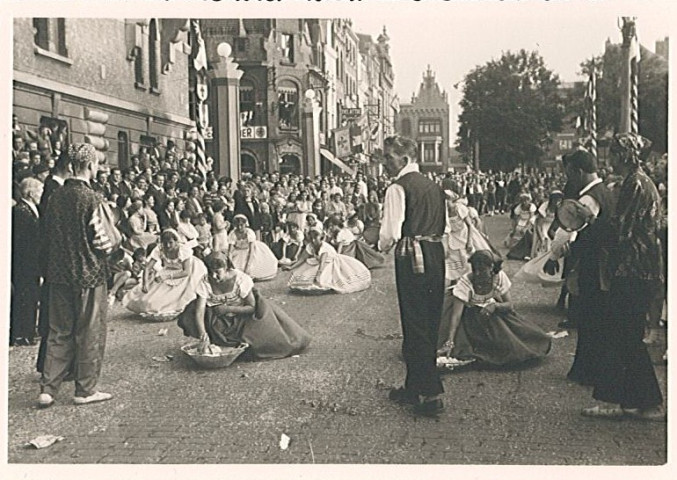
column 72, row 235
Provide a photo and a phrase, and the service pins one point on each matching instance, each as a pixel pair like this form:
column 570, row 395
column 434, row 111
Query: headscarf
column 239, row 215
column 630, row 147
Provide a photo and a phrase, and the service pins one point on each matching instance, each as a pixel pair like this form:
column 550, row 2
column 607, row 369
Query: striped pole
column 634, row 85
column 199, row 64
column 592, row 99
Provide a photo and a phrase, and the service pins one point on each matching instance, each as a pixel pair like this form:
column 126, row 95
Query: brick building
column 119, row 84
column 283, row 60
column 426, row 120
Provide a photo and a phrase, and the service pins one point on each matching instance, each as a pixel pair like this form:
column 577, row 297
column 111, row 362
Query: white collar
column 58, row 179
column 33, row 207
column 589, row 186
column 408, row 168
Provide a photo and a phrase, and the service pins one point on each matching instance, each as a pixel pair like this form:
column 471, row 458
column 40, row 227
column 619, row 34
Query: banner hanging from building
column 342, row 142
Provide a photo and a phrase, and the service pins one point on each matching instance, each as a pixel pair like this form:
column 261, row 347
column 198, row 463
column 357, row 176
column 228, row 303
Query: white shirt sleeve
column 591, row 203
column 393, row 217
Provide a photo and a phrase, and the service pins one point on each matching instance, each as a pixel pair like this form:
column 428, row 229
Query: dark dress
column 501, row 339
column 270, row 332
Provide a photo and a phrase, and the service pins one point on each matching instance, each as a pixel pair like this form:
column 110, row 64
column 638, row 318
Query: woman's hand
column 488, row 310
column 203, row 346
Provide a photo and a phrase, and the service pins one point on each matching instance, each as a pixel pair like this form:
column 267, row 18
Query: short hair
column 28, row 185
column 139, row 253
column 185, row 215
column 217, row 260
column 403, row 146
column 168, row 235
column 582, row 160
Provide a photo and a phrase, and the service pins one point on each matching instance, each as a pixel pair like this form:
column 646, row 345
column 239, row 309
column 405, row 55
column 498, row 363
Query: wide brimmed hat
column 573, row 215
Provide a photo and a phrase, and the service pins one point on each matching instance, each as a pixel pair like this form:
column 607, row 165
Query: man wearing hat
column 588, row 258
column 627, row 374
column 414, row 218
column 76, row 245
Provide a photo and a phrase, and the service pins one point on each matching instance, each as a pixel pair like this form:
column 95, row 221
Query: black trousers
column 24, row 307
column 420, row 298
column 588, row 313
column 627, row 375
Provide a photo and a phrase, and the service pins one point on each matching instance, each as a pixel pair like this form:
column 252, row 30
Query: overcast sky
column 453, row 39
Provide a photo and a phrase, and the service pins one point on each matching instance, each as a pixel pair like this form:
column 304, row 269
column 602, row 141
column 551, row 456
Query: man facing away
column 76, row 273
column 414, row 218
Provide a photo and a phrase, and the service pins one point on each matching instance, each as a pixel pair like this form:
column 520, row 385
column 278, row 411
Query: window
column 430, row 127
column 247, row 104
column 429, row 153
column 50, row 36
column 406, row 127
column 153, row 56
column 52, row 134
column 287, row 45
column 565, row 144
column 287, row 101
column 290, row 165
column 241, row 45
column 123, row 150
column 137, row 54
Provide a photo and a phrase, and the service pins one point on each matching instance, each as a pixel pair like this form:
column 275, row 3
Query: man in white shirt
column 414, row 218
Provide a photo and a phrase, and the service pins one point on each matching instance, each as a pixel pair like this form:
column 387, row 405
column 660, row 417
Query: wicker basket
column 225, row 357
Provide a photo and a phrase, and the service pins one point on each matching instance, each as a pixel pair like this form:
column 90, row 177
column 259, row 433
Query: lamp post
column 225, row 80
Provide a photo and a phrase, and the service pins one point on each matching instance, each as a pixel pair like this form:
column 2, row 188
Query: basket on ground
column 224, row 357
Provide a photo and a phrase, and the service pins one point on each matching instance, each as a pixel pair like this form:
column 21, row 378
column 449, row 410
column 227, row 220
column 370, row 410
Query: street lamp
column 224, row 49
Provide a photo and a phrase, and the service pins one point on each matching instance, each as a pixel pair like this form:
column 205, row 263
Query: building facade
column 287, row 62
column 119, row 84
column 426, row 120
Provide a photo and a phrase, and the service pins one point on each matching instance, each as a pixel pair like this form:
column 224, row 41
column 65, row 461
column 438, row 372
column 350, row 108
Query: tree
column 652, row 90
column 509, row 106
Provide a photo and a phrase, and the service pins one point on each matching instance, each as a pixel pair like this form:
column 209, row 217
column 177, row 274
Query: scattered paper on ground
column 163, row 332
column 561, row 334
column 44, row 441
column 284, row 441
column 163, row 358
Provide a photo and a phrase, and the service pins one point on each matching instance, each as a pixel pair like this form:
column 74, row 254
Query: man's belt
column 411, row 247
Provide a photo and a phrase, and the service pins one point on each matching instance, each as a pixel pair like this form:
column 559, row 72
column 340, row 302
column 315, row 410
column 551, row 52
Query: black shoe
column 567, row 324
column 429, row 408
column 403, row 396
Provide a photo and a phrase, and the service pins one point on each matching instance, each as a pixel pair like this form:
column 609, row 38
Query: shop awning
column 330, row 156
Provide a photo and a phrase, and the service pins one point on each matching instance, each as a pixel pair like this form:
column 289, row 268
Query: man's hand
column 551, row 267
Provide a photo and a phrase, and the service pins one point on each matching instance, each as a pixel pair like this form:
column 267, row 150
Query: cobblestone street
column 331, row 401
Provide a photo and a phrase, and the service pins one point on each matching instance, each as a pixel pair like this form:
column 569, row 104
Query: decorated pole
column 591, row 98
column 199, row 65
column 630, row 78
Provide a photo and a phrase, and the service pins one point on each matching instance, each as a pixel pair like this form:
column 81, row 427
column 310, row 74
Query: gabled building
column 426, row 120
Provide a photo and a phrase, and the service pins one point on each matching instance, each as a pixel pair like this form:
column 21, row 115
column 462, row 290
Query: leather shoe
column 45, row 400
column 403, row 396
column 429, row 408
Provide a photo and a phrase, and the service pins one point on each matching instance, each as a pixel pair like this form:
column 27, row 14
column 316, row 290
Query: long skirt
column 270, row 332
column 364, row 253
column 220, row 241
column 500, row 339
column 262, row 264
column 532, row 272
column 344, row 274
column 166, row 300
column 522, row 248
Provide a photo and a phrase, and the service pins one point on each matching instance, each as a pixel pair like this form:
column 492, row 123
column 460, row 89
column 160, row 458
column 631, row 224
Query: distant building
column 426, row 120
column 119, row 84
column 663, row 48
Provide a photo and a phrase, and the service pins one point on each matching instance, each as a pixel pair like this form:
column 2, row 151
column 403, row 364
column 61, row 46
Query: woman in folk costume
column 288, row 241
column 137, row 225
column 520, row 239
column 320, row 269
column 484, row 326
column 248, row 254
column 347, row 243
column 169, row 280
column 462, row 239
column 220, row 227
column 228, row 309
column 545, row 215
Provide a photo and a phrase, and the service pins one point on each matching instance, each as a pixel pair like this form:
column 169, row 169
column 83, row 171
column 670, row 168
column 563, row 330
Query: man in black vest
column 414, row 218
column 588, row 263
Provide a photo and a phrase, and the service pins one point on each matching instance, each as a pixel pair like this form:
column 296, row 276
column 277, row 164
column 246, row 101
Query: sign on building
column 253, row 133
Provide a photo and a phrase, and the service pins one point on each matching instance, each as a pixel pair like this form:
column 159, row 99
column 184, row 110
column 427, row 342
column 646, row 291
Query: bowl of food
column 215, row 356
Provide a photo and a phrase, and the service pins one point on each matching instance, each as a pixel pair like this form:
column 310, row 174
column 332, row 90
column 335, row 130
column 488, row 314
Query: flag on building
column 342, row 142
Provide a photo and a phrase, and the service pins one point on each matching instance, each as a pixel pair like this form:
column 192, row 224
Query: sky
column 453, row 39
